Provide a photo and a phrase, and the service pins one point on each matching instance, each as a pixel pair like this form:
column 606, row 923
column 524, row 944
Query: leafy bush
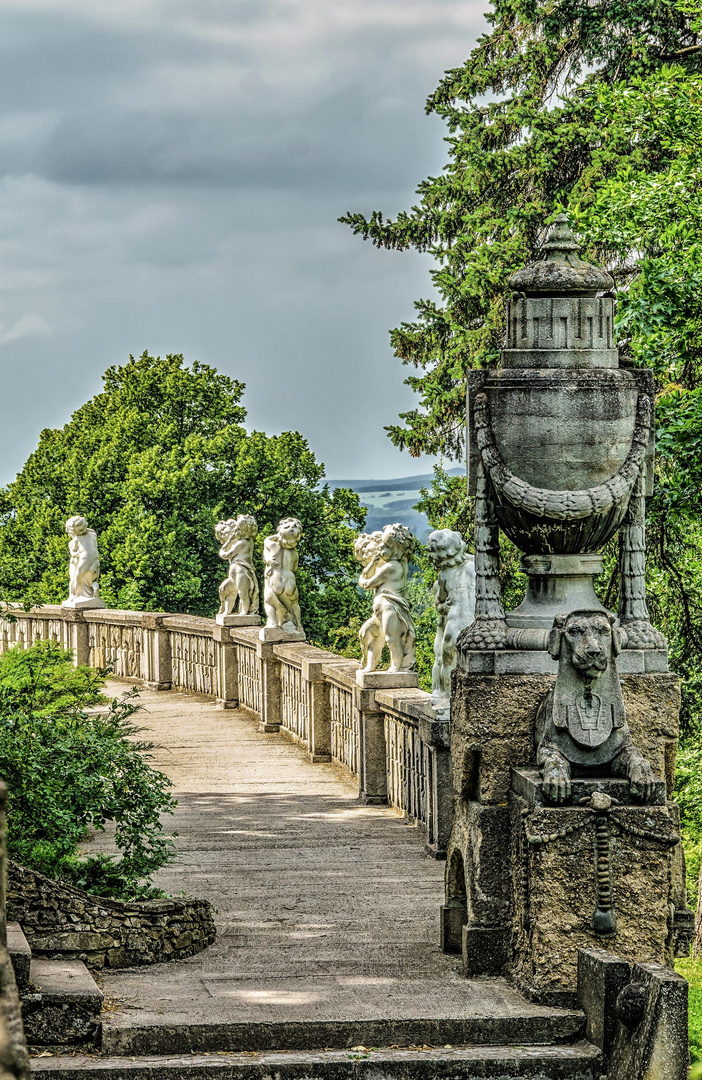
column 70, row 768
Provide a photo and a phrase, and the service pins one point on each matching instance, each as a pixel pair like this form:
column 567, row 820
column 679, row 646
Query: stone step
column 20, row 954
column 579, row 1062
column 125, row 1035
column 61, row 1005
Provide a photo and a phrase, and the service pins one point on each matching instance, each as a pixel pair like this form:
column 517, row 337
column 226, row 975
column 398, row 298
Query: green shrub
column 70, row 768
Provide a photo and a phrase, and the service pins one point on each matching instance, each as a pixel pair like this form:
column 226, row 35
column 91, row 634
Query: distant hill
column 390, row 501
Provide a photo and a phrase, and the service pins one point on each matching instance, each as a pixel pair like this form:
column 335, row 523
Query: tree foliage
column 153, row 462
column 526, row 137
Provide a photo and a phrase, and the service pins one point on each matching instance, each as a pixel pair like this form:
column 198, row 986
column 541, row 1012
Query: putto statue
column 280, row 595
column 239, row 590
column 385, row 558
column 84, row 569
column 454, row 599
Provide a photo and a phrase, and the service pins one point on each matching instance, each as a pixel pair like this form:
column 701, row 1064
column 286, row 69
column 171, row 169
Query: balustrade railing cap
column 561, row 272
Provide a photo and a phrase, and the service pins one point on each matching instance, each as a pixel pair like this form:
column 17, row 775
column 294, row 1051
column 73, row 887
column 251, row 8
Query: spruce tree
column 526, row 138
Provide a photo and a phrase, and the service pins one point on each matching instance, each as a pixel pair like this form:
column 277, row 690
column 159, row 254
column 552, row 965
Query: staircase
column 71, row 1037
column 580, row 1061
column 61, row 1003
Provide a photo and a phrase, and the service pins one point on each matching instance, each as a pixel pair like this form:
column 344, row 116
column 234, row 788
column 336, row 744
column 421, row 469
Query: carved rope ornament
column 603, row 814
column 563, row 505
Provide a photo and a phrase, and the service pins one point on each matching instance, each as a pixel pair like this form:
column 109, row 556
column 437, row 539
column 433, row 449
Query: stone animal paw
column 641, row 780
column 556, row 786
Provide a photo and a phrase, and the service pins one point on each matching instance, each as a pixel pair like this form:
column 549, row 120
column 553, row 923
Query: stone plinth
column 278, row 634
column 492, row 732
column 84, row 603
column 555, row 894
column 238, row 620
column 386, row 680
column 538, row 662
column 492, row 727
column 528, row 784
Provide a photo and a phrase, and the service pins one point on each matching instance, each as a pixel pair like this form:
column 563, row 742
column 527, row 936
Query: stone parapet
column 388, row 740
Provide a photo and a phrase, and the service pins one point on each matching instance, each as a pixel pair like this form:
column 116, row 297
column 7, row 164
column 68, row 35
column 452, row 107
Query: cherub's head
column 76, row 526
column 445, row 547
column 366, row 546
column 397, row 542
column 289, row 532
column 246, row 527
column 223, row 529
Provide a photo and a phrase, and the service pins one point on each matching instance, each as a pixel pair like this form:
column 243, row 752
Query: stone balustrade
column 389, row 741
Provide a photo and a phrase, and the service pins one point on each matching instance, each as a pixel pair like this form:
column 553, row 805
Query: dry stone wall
column 60, row 921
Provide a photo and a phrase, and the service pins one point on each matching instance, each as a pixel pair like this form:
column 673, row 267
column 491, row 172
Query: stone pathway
column 327, row 910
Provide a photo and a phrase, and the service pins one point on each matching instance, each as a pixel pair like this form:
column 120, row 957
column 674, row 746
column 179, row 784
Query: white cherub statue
column 280, row 595
column 454, row 597
column 366, row 548
column 385, row 557
column 240, row 588
column 84, row 569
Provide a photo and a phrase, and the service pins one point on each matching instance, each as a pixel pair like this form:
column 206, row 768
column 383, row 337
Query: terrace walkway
column 327, row 910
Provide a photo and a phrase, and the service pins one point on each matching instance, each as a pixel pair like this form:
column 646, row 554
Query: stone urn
column 560, row 436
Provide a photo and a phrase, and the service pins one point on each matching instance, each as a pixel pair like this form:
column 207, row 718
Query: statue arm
column 380, row 577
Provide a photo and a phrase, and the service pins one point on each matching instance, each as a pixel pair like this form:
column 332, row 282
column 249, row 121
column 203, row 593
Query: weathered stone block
column 454, row 915
column 652, row 705
column 492, row 730
column 554, row 890
column 485, row 950
column 651, row 1032
column 601, row 978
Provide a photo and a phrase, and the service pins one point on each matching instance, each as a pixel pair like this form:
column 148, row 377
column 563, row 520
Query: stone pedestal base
column 238, row 620
column 278, row 634
column 386, row 680
column 84, row 603
column 586, row 878
column 475, row 920
column 556, row 583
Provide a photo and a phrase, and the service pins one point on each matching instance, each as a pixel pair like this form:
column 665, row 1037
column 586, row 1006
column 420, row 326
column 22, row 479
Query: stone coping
column 297, row 651
column 412, row 702
column 341, row 673
column 243, row 635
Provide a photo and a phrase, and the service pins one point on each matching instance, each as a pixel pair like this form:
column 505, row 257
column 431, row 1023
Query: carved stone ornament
column 454, row 599
column 581, row 722
column 84, row 569
column 385, row 558
column 560, row 443
column 238, row 593
column 280, row 596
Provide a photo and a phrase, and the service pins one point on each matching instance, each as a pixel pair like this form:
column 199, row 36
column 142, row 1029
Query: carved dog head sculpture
column 587, row 696
column 582, row 720
column 587, row 640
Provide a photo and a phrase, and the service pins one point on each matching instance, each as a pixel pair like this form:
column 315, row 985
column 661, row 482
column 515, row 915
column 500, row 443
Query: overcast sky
column 171, row 173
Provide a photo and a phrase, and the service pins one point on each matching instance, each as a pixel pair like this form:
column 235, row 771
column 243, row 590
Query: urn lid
column 561, row 272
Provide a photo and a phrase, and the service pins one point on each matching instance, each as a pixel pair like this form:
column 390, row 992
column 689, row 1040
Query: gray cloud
column 170, row 176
